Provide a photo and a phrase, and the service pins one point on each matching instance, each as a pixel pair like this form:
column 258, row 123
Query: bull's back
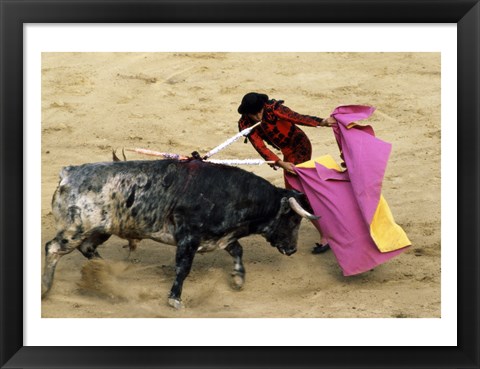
column 221, row 198
column 138, row 198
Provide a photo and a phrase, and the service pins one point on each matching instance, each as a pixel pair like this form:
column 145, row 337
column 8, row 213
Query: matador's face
column 257, row 117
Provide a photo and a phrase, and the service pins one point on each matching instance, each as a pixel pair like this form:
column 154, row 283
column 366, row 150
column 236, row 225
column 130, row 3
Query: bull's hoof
column 45, row 288
column 237, row 281
column 175, row 303
column 44, row 292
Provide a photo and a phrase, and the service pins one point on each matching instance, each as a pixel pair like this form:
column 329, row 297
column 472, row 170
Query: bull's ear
column 284, row 205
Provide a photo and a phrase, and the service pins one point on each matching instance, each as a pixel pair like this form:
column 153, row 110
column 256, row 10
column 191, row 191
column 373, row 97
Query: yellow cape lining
column 387, row 235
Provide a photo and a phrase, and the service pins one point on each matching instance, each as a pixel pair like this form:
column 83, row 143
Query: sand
column 181, row 102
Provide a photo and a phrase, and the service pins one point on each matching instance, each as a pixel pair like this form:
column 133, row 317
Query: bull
column 191, row 204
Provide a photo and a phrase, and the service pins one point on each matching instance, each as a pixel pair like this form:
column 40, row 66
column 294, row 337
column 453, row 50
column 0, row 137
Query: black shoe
column 320, row 249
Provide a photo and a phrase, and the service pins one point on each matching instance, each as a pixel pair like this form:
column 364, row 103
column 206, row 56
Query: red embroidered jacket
column 278, row 129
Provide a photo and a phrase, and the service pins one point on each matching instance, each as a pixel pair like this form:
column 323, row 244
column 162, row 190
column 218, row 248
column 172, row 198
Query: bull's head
column 283, row 231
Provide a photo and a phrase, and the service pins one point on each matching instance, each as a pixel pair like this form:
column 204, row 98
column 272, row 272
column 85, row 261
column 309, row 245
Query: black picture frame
column 15, row 13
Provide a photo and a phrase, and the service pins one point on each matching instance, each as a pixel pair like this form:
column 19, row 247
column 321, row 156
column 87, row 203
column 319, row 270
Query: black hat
column 252, row 103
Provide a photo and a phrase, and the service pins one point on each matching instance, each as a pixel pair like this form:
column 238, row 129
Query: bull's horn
column 297, row 208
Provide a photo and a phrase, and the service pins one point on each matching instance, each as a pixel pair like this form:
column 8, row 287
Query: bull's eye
column 64, row 241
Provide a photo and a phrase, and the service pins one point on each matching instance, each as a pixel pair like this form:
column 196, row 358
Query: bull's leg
column 89, row 247
column 64, row 243
column 186, row 249
column 238, row 274
column 54, row 250
column 132, row 246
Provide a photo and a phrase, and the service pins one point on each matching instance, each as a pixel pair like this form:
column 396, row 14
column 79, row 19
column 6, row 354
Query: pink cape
column 346, row 201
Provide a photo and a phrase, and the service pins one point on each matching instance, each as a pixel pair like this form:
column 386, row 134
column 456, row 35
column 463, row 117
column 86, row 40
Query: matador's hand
column 288, row 167
column 328, row 122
